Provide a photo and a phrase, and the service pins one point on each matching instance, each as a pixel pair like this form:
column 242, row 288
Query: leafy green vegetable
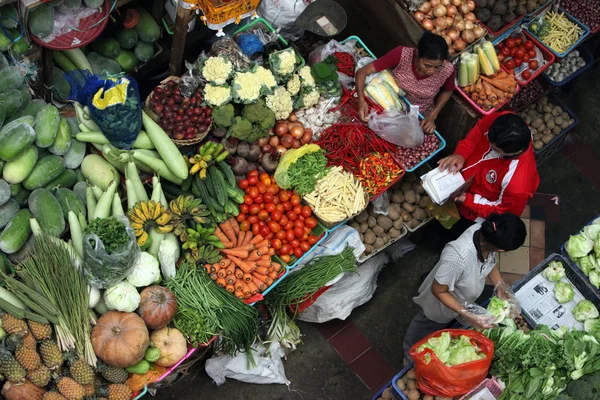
column 587, row 264
column 585, row 310
column 499, row 309
column 111, row 231
column 563, row 292
column 223, row 115
column 306, row 171
column 591, row 232
column 452, row 350
column 554, row 272
column 592, row 325
column 578, row 246
column 594, row 276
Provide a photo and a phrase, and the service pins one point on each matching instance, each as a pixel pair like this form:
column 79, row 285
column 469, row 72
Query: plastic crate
column 219, row 11
column 380, row 392
column 360, row 43
column 491, row 385
column 398, row 376
column 321, row 232
column 573, row 273
column 559, row 140
column 479, row 109
column 504, row 29
column 362, row 258
column 538, row 85
column 542, row 55
column 573, row 265
column 585, row 29
column 260, row 296
column 422, row 224
column 589, row 62
column 384, row 189
column 585, row 4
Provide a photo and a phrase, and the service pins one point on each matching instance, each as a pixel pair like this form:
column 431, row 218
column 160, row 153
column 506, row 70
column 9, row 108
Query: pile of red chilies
column 346, row 144
column 345, row 63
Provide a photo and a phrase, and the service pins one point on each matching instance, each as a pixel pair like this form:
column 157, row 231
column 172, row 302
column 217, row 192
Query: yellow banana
column 158, row 210
column 139, row 213
column 195, row 168
column 143, row 238
column 145, row 210
column 203, row 173
column 163, row 219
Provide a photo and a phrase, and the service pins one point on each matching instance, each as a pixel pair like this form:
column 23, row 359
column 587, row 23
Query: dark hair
column 432, row 47
column 510, row 133
column 505, row 231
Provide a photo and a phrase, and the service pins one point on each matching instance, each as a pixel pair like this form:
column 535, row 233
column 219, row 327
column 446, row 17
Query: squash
column 157, row 306
column 120, row 339
column 172, row 346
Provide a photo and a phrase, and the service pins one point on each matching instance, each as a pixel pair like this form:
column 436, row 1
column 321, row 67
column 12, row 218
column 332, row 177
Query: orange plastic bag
column 438, row 379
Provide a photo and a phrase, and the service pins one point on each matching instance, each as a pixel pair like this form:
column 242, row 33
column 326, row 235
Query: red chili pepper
column 345, row 63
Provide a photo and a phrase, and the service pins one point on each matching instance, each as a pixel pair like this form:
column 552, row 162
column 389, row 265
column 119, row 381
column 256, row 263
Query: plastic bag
column 290, row 157
column 446, row 214
column 66, row 22
column 504, row 292
column 398, row 128
column 381, row 204
column 476, row 316
column 282, row 15
column 324, row 51
column 437, row 379
column 102, row 269
column 114, row 104
column 228, row 47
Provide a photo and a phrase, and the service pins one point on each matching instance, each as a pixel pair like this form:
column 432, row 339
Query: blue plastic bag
column 114, row 104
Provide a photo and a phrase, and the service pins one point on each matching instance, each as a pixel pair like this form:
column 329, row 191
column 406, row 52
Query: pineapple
column 10, row 368
column 51, row 355
column 70, row 389
column 81, row 371
column 40, row 331
column 112, row 374
column 53, row 396
column 89, row 390
column 14, row 325
column 27, row 357
column 40, row 377
column 116, row 391
column 29, row 340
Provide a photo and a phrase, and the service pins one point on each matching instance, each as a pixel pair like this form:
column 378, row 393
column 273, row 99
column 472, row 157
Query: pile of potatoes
column 388, row 394
column 545, row 121
column 409, row 199
column 408, row 385
column 377, row 230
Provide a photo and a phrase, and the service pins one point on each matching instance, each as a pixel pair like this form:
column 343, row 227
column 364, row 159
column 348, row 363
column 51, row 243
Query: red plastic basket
column 542, row 54
column 89, row 29
column 479, row 109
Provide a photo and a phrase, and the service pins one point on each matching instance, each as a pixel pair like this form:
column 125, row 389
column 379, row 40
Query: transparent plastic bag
column 503, row 291
column 381, row 205
column 476, row 316
column 290, row 157
column 447, row 214
column 65, row 22
column 102, row 269
column 228, row 47
column 282, row 15
column 398, row 128
column 324, row 51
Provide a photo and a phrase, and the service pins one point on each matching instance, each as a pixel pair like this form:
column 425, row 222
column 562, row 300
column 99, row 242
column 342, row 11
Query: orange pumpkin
column 120, row 339
column 157, row 306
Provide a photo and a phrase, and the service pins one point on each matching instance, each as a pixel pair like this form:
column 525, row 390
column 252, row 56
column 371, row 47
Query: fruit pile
column 521, row 56
column 180, row 117
column 277, row 215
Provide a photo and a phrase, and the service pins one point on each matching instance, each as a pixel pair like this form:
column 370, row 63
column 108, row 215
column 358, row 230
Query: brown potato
column 370, row 237
column 405, row 215
column 384, row 222
column 397, row 198
column 394, row 233
column 408, row 207
column 379, row 231
column 363, row 227
column 379, row 243
column 362, row 217
column 369, row 248
column 393, row 214
column 372, row 221
column 419, row 214
column 410, row 196
column 398, row 223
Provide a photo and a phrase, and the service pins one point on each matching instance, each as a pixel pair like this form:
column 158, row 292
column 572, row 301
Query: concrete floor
column 316, row 371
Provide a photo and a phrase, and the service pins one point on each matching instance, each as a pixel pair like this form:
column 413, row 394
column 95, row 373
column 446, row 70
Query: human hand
column 482, row 321
column 453, row 163
column 428, row 124
column 461, row 198
column 363, row 109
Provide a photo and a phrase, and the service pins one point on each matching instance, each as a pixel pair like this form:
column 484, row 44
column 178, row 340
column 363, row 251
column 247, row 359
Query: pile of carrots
column 246, row 268
column 491, row 92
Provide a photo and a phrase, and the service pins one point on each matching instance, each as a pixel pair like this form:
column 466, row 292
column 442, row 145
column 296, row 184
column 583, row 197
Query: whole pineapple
column 112, row 374
column 28, row 357
column 89, row 390
column 70, row 389
column 14, row 325
column 40, row 331
column 51, row 355
column 81, row 371
column 39, row 377
column 29, row 340
column 10, row 367
column 116, row 391
column 53, row 396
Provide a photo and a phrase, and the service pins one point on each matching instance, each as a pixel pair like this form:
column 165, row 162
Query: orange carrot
column 501, row 75
column 222, row 273
column 273, row 275
column 474, row 96
column 499, row 93
column 225, row 262
column 213, row 276
column 228, row 230
column 239, row 295
column 276, row 267
column 221, row 282
column 230, row 288
column 488, row 92
column 265, row 262
column 258, row 283
column 271, row 251
column 246, row 289
column 239, row 285
column 230, row 279
column 222, row 238
column 501, row 84
column 260, row 277
column 247, row 239
column 262, row 270
column 241, row 237
column 235, row 226
column 263, row 250
column 215, row 267
column 233, row 252
column 257, row 239
column 478, row 86
column 238, row 273
column 264, row 243
column 247, row 277
column 230, row 269
column 254, row 256
column 480, row 103
column 244, row 265
column 207, row 268
column 487, row 105
column 252, row 286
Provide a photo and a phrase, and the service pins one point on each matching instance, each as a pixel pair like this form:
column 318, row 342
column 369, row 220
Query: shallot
column 425, row 7
column 408, row 158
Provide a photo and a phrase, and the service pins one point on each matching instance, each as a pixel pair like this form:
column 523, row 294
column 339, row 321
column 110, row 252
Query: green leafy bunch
column 111, row 231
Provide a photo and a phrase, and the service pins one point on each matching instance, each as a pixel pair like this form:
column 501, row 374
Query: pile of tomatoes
column 515, row 52
column 277, row 215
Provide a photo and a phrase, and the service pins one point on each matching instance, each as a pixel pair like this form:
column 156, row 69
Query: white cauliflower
column 280, row 102
column 217, row 70
column 246, row 87
column 283, row 62
column 306, row 76
column 266, row 77
column 293, row 85
column 307, row 98
column 216, row 95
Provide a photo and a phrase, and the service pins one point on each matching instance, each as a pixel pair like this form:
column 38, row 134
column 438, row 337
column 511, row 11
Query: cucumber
column 7, row 210
column 41, row 20
column 67, row 179
column 218, row 182
column 47, row 122
column 16, row 232
column 228, row 172
column 75, row 155
column 69, row 201
column 46, row 169
column 147, row 29
column 11, row 100
column 127, row 38
column 16, row 141
column 5, row 191
column 15, row 188
column 11, row 78
column 106, row 47
column 127, row 60
column 17, row 170
column 62, row 143
column 144, row 51
column 47, row 211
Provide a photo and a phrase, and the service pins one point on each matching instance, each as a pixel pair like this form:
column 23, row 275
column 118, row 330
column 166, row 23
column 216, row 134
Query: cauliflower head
column 266, row 77
column 308, row 98
column 293, row 85
column 217, row 70
column 246, row 87
column 216, row 95
column 283, row 62
column 280, row 102
column 306, row 76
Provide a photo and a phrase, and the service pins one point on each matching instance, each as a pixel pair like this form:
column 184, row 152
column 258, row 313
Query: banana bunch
column 187, row 211
column 209, row 153
column 146, row 215
column 204, row 254
column 202, row 245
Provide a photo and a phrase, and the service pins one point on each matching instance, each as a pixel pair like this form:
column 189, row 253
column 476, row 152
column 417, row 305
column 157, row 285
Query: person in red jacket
column 498, row 154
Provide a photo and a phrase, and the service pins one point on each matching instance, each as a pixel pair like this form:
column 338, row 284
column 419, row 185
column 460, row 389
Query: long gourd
column 142, row 141
column 166, row 148
column 159, row 166
column 79, row 59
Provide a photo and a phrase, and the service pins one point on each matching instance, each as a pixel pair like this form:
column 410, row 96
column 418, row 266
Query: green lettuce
column 592, row 325
column 595, row 278
column 563, row 292
column 499, row 309
column 587, row 264
column 452, row 351
column 591, row 231
column 585, row 310
column 579, row 246
column 554, row 272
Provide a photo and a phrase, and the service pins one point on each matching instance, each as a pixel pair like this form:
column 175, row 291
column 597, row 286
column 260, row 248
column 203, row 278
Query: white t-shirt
column 459, row 267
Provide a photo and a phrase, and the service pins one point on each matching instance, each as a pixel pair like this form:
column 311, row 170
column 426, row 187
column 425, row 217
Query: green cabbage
column 563, row 292
column 595, row 278
column 591, row 231
column 452, row 351
column 587, row 264
column 592, row 325
column 579, row 246
column 499, row 309
column 554, row 272
column 585, row 310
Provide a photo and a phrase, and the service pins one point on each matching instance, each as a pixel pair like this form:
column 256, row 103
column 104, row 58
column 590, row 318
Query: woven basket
column 179, row 143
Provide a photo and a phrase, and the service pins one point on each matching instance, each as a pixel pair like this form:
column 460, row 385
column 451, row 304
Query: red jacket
column 500, row 184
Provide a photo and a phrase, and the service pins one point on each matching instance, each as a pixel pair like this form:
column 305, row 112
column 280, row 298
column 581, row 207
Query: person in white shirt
column 458, row 278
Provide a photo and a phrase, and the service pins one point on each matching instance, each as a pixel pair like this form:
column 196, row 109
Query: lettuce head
column 592, row 325
column 554, row 272
column 578, row 246
column 563, row 292
column 499, row 309
column 587, row 264
column 585, row 310
column 591, row 231
column 452, row 351
column 595, row 278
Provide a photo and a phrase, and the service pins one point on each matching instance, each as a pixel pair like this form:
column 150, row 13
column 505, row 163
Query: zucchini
column 46, row 169
column 5, row 191
column 11, row 100
column 75, row 155
column 15, row 141
column 7, row 210
column 147, row 29
column 11, row 78
column 69, row 201
column 17, row 170
column 47, row 211
column 41, row 20
column 67, row 179
column 98, row 171
column 62, row 143
column 127, row 38
column 16, row 232
column 47, row 122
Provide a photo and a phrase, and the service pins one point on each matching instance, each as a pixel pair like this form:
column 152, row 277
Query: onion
column 287, row 141
column 307, row 136
column 263, row 141
column 451, row 10
column 293, row 117
column 439, row 11
column 440, row 24
column 297, row 143
column 471, row 5
column 469, row 25
column 458, row 17
column 460, row 26
column 449, row 21
column 266, row 148
column 471, row 17
column 479, row 32
column 281, row 128
column 274, row 141
column 280, row 150
column 463, row 8
column 419, row 16
column 434, row 3
column 296, row 132
column 448, row 40
column 456, row 3
column 453, row 34
column 468, row 36
column 425, row 7
column 451, row 51
column 459, row 45
column 445, row 2
column 428, row 24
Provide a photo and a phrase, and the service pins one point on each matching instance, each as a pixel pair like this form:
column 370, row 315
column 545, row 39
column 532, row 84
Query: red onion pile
column 527, row 95
column 408, row 158
column 587, row 11
column 180, row 117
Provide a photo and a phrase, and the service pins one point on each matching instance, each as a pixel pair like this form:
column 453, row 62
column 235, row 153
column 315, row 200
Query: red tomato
column 295, row 243
column 526, row 75
column 287, row 206
column 259, row 199
column 297, row 210
column 307, row 231
column 289, row 225
column 284, row 196
column 306, row 211
column 501, row 57
column 244, row 208
column 273, row 189
column 510, row 64
column 305, row 246
column 533, row 64
column 529, row 45
column 312, row 240
column 275, row 215
column 270, row 236
column 292, row 215
column 280, row 234
column 276, row 243
column 263, row 215
column 289, row 235
column 261, row 223
column 268, row 198
column 275, row 198
column 274, row 226
column 264, row 231
column 255, row 229
column 285, row 258
column 518, row 62
column 298, row 232
column 262, row 188
column 510, row 43
column 248, row 200
column 253, row 219
column 506, row 51
column 526, row 58
column 310, row 222
column 243, row 184
column 241, row 217
column 531, row 53
column 245, row 226
column 263, row 176
column 295, row 200
column 252, row 180
column 280, row 208
column 513, row 51
column 519, row 41
column 254, row 172
column 298, row 252
column 299, row 223
column 253, row 192
column 519, row 53
column 286, row 249
column 254, row 209
column 270, row 207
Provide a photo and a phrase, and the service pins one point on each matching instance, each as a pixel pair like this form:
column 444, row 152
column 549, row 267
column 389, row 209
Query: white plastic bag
column 381, row 205
column 398, row 128
column 282, row 14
